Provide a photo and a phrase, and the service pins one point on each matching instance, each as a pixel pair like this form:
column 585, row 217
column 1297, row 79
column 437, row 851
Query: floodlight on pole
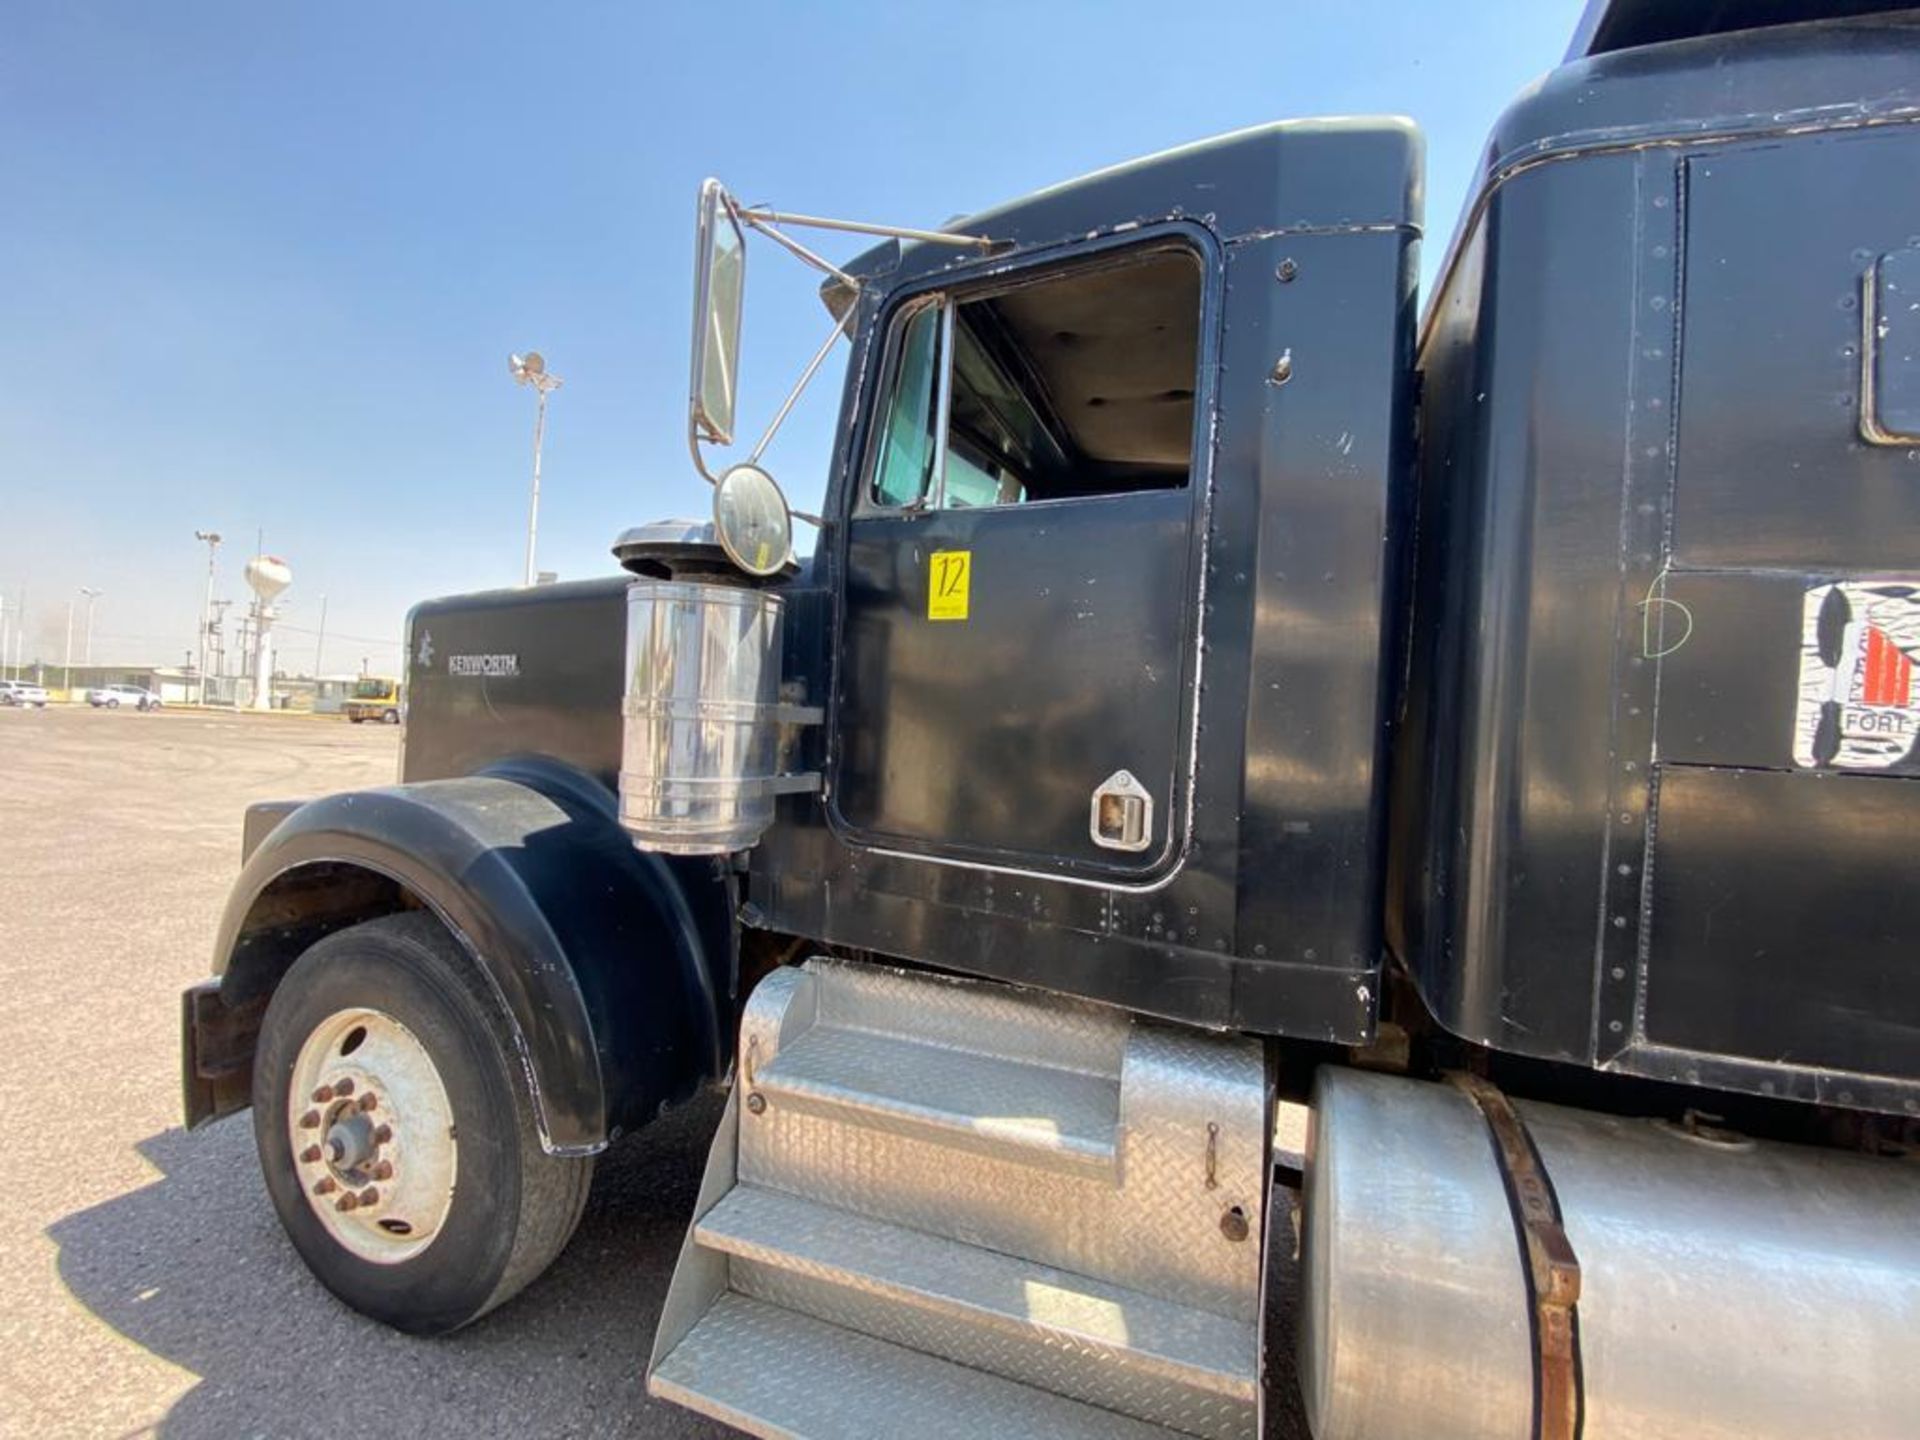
column 211, row 538
column 531, row 369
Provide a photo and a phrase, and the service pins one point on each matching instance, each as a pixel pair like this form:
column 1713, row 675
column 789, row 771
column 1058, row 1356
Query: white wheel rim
column 374, row 1146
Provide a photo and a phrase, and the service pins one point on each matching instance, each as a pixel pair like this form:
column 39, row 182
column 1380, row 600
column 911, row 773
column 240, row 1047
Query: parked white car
column 19, row 692
column 112, row 697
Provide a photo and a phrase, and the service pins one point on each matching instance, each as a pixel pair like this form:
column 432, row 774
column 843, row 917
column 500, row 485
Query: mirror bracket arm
column 795, row 248
column 800, row 385
column 761, row 219
column 767, row 222
column 699, row 460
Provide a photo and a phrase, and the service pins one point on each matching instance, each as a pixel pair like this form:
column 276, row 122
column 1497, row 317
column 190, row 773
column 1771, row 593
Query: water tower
column 267, row 576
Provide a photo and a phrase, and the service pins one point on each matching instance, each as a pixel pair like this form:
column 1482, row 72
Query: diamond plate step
column 996, row 1020
column 1099, row 1343
column 1034, row 1114
column 920, row 1100
column 778, row 1374
column 942, row 1207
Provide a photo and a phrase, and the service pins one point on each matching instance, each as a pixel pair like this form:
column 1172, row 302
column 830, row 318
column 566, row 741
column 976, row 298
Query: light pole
column 531, row 369
column 66, row 667
column 212, row 539
column 320, row 645
column 217, row 640
column 92, row 595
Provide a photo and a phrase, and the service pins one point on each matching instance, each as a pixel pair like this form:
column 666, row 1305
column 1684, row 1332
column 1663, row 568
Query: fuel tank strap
column 1552, row 1269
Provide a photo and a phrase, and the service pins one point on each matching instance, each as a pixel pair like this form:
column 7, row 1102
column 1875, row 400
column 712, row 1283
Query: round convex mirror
column 751, row 520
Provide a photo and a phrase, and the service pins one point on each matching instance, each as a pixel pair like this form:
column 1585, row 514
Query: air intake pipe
column 701, row 760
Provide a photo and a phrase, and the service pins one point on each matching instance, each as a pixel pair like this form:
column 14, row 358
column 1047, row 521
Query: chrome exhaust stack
column 1726, row 1286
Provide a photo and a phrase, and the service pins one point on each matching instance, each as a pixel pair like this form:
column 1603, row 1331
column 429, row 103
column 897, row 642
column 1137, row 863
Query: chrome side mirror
column 720, row 278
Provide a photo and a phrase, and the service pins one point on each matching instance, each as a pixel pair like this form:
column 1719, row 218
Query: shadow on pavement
column 194, row 1268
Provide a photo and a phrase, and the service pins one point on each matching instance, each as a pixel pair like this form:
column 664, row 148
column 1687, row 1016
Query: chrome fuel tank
column 1729, row 1287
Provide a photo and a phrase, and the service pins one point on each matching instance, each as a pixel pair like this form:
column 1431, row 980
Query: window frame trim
column 942, row 403
column 846, row 508
column 894, row 330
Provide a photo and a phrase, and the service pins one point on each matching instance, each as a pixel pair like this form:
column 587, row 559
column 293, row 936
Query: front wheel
column 392, row 717
column 396, row 1133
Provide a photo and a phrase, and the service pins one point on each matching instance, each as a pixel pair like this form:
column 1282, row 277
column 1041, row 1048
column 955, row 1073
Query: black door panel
column 984, row 738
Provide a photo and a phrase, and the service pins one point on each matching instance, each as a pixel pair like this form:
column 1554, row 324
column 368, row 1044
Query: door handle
column 1121, row 817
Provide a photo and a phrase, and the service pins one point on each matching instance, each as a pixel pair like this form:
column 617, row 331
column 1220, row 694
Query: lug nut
column 369, row 1196
column 309, row 1155
column 310, row 1120
column 343, row 1088
column 757, row 1103
column 369, row 1100
column 383, row 1135
column 325, row 1185
column 383, row 1171
column 348, row 1201
column 323, row 1095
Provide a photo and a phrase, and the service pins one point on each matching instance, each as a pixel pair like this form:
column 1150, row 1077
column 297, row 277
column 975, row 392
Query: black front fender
column 613, row 967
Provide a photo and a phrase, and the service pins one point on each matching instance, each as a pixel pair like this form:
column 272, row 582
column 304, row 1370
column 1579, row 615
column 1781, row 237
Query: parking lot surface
column 145, row 1284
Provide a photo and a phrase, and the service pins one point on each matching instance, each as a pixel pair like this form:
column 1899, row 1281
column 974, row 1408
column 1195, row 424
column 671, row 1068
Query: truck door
column 1018, row 638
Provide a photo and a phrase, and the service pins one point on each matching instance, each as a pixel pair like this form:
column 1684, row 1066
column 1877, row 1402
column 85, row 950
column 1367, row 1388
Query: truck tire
column 396, row 1133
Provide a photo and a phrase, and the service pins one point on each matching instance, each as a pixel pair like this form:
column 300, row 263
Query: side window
column 905, row 466
column 1072, row 385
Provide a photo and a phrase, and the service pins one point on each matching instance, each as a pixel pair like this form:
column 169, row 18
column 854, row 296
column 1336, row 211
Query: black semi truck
column 1214, row 686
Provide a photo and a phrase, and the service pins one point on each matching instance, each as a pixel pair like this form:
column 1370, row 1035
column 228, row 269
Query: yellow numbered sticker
column 949, row 578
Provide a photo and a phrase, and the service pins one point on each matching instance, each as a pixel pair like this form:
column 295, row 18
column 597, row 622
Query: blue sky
column 263, row 264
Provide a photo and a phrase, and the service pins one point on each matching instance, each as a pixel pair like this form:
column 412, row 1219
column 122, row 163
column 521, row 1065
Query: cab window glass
column 973, row 481
column 1076, row 385
column 906, row 440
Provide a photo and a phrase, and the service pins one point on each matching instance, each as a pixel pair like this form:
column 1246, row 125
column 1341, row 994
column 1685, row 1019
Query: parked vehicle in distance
column 19, row 692
column 112, row 697
column 375, row 698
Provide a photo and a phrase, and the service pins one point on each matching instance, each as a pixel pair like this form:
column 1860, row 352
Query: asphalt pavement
column 145, row 1286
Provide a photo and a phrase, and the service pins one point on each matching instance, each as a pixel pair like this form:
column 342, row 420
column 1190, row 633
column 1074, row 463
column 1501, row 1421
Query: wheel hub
column 350, row 1144
column 372, row 1135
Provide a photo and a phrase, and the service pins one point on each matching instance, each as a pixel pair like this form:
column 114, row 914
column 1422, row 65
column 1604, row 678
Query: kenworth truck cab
column 1212, row 687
